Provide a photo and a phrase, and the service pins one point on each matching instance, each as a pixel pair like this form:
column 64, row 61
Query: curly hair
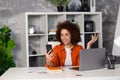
column 72, row 28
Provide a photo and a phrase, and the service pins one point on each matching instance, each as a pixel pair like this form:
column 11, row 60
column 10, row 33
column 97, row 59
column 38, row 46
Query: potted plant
column 6, row 46
column 59, row 3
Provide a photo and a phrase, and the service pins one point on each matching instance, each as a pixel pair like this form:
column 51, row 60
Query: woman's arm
column 92, row 41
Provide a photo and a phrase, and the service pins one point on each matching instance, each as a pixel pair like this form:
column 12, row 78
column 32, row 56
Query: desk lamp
column 116, row 44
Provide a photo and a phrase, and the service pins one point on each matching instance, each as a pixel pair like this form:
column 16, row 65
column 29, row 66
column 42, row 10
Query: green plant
column 59, row 2
column 6, row 46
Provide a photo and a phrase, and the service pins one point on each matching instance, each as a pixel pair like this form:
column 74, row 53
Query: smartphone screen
column 48, row 47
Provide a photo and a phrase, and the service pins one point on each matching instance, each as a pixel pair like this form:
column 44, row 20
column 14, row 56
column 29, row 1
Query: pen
column 78, row 75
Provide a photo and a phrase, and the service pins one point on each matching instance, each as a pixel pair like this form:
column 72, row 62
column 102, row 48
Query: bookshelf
column 44, row 26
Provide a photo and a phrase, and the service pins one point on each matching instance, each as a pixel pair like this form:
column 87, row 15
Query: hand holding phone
column 49, row 55
column 49, row 47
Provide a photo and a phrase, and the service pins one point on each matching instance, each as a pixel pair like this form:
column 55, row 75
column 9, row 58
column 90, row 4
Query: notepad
column 54, row 69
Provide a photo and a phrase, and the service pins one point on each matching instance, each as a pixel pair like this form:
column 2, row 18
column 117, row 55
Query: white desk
column 41, row 73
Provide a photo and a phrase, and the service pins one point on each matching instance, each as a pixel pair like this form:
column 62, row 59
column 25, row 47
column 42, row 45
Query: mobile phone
column 48, row 47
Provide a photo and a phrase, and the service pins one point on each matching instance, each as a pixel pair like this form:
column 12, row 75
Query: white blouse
column 68, row 61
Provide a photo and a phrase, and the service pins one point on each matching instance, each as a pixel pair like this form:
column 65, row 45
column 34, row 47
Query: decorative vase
column 34, row 52
column 74, row 5
column 31, row 30
column 93, row 6
column 66, row 8
column 85, row 7
column 60, row 8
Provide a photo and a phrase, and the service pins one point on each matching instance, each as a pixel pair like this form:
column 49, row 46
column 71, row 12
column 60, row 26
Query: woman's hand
column 49, row 57
column 92, row 41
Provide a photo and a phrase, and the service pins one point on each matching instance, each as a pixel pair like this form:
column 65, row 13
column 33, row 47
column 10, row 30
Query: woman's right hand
column 49, row 57
column 94, row 38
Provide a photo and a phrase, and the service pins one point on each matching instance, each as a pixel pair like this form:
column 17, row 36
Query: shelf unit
column 45, row 22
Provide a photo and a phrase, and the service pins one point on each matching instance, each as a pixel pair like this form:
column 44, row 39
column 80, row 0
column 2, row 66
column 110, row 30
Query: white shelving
column 44, row 22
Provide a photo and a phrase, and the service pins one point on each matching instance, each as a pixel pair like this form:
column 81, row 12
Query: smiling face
column 65, row 37
column 69, row 30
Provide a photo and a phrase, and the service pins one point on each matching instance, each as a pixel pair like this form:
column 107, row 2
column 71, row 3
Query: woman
column 67, row 52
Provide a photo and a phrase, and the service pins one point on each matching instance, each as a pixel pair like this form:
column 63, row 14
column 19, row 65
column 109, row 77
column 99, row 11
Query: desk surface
column 41, row 73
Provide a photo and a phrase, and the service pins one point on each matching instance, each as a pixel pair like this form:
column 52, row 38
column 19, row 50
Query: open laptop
column 91, row 59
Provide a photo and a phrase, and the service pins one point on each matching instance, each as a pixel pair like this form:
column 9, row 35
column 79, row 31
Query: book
column 54, row 69
column 74, row 68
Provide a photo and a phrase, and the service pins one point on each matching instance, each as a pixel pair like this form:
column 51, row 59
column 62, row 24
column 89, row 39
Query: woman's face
column 65, row 37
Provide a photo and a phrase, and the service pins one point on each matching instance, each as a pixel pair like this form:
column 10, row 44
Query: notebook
column 91, row 59
column 54, row 69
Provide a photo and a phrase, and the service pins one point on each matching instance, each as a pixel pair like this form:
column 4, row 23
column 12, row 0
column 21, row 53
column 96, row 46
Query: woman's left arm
column 92, row 41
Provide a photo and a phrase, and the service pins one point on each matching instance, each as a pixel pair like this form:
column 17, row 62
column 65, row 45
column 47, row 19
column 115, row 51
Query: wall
column 109, row 9
column 12, row 13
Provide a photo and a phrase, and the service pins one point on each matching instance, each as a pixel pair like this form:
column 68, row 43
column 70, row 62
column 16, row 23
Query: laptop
column 91, row 59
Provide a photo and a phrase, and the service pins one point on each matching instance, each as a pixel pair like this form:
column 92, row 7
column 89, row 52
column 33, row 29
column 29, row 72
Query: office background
column 12, row 13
